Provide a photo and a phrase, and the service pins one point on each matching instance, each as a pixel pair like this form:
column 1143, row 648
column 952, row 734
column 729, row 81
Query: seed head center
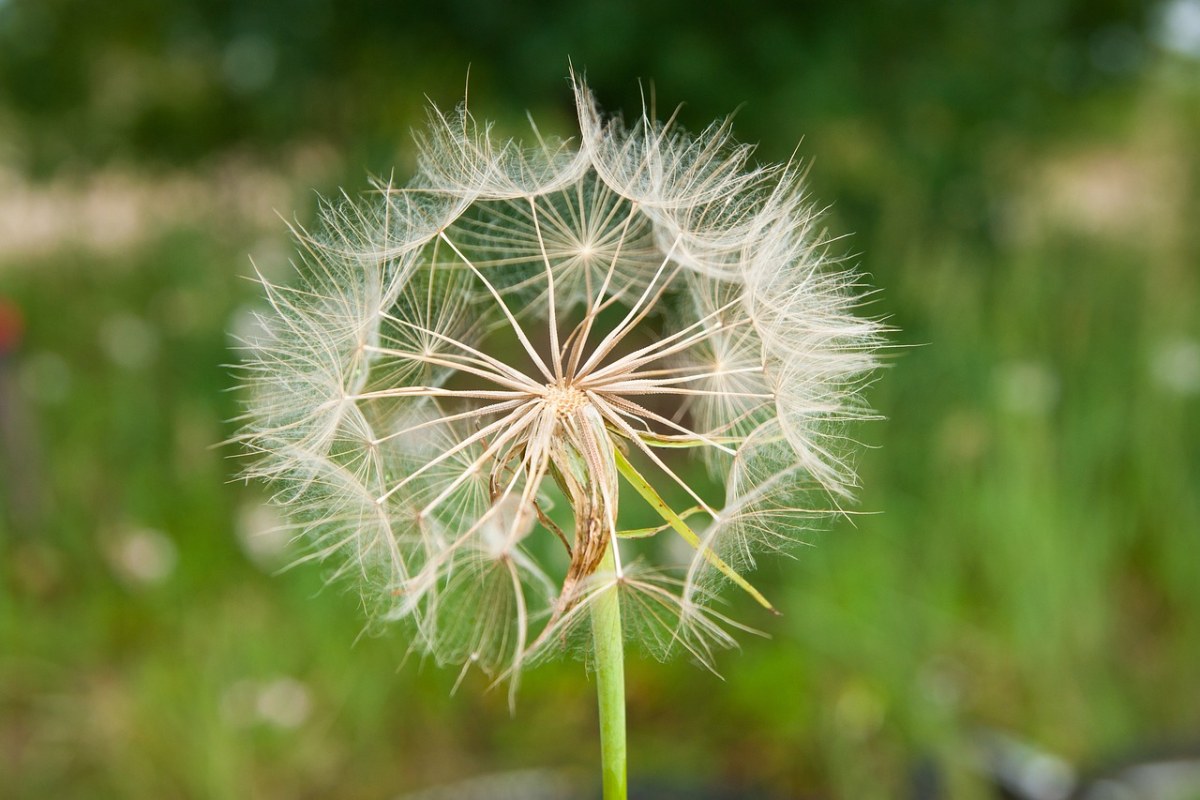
column 564, row 398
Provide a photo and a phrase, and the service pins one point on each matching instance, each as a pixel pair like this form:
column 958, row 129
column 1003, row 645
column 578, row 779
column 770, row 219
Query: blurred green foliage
column 1023, row 186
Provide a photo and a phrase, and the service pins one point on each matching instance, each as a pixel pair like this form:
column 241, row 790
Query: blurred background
column 1020, row 179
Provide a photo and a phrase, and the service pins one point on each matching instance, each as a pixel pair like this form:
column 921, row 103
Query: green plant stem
column 610, row 684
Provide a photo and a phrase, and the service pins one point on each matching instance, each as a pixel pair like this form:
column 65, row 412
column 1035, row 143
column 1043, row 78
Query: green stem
column 610, row 683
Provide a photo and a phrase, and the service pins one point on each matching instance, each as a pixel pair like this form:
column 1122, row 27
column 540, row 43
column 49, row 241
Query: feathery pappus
column 477, row 371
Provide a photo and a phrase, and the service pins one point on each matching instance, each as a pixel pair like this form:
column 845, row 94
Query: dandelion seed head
column 477, row 370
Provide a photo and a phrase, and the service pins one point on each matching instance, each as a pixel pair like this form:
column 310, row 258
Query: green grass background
column 1021, row 182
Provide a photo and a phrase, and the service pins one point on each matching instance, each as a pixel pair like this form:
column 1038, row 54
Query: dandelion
column 479, row 370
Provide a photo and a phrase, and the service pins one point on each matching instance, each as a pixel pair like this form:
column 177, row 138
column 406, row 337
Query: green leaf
column 658, row 440
column 643, row 487
column 643, row 533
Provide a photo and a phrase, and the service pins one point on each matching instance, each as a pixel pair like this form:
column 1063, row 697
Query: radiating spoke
column 533, row 354
column 652, row 376
column 650, row 387
column 514, row 428
column 658, row 350
column 437, row 391
column 495, row 363
column 594, row 305
column 486, row 516
column 637, row 411
column 615, row 418
column 514, row 418
column 495, row 408
column 633, row 317
column 552, row 304
column 450, row 363
column 636, row 357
